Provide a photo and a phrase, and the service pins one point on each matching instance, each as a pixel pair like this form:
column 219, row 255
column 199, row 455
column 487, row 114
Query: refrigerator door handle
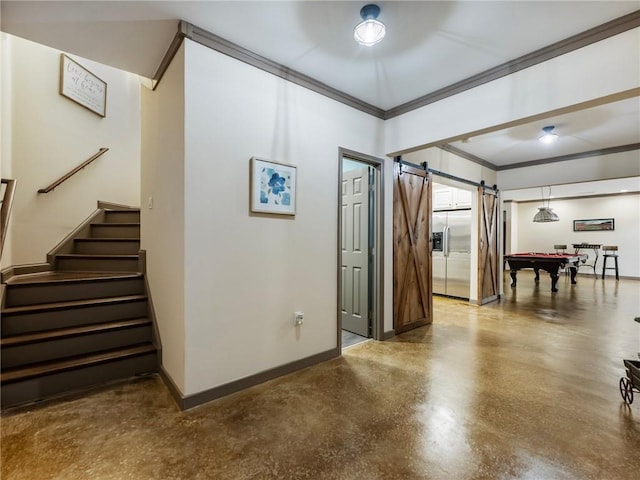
column 445, row 241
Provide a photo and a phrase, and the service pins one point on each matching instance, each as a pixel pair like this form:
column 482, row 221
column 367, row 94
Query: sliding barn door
column 412, row 305
column 489, row 244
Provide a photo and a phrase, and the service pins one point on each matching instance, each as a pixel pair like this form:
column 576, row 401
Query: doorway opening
column 451, row 225
column 360, row 248
column 472, row 254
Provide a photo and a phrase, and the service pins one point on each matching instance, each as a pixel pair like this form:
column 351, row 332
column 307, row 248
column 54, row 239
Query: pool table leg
column 514, row 279
column 574, row 272
column 554, row 281
column 537, row 272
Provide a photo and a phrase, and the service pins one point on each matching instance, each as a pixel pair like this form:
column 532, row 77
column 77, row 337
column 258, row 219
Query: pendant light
column 545, row 214
column 371, row 30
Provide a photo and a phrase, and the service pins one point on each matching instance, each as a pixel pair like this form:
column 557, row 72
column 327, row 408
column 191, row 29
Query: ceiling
column 429, row 46
column 598, row 128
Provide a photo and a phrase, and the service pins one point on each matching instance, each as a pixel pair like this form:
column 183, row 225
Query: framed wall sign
column 593, row 225
column 273, row 187
column 83, row 87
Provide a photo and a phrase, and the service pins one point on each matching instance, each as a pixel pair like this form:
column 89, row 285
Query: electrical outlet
column 298, row 318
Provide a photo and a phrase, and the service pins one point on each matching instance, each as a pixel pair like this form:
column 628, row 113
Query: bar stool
column 610, row 251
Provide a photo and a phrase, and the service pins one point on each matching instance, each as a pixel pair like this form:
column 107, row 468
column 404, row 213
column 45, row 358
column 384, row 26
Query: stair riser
column 39, row 388
column 16, row 324
column 22, row 355
column 106, row 247
column 34, row 294
column 122, row 216
column 97, row 264
column 115, row 231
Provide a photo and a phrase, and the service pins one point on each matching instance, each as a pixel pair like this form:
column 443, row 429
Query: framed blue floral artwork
column 273, row 187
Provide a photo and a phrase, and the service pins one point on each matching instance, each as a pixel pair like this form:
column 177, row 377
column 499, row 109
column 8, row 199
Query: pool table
column 549, row 262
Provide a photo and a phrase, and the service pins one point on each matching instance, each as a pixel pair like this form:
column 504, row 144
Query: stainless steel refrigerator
column 451, row 241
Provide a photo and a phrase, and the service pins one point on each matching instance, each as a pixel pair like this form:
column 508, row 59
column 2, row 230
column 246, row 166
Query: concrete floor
column 523, row 389
column 349, row 339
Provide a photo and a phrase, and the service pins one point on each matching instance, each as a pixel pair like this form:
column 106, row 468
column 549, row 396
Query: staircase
column 84, row 323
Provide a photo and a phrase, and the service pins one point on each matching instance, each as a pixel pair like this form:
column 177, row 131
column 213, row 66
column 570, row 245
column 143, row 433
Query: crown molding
column 593, row 35
column 170, row 53
column 572, row 156
column 219, row 44
column 468, row 156
column 233, row 50
column 237, row 52
column 576, row 197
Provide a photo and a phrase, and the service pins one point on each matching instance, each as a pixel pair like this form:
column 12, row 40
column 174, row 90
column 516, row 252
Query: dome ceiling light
column 549, row 136
column 371, row 30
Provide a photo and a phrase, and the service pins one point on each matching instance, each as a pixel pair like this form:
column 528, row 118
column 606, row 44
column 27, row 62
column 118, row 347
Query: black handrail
column 73, row 172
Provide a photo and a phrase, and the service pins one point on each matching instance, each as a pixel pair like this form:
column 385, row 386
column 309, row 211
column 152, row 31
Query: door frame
column 377, row 315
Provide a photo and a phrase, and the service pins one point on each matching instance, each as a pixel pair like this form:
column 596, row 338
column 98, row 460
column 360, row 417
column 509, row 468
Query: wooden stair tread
column 55, row 277
column 72, row 332
column 106, row 239
column 73, row 304
column 122, row 256
column 116, row 224
column 47, row 368
column 75, row 340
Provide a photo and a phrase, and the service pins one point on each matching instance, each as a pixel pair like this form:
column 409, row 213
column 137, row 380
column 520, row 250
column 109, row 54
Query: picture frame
column 592, row 225
column 272, row 187
column 83, row 87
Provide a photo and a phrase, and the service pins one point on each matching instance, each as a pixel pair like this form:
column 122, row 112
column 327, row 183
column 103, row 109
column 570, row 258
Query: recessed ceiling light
column 623, row 191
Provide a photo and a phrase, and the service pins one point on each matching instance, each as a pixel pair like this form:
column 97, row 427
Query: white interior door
column 355, row 251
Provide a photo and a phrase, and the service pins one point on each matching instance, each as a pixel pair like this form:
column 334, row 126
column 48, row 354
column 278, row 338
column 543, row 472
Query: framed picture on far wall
column 593, row 225
column 273, row 187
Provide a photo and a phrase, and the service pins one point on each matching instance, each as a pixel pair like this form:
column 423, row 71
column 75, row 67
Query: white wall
column 246, row 274
column 452, row 164
column 604, row 68
column 511, row 220
column 47, row 135
column 625, row 209
column 5, row 133
column 163, row 225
